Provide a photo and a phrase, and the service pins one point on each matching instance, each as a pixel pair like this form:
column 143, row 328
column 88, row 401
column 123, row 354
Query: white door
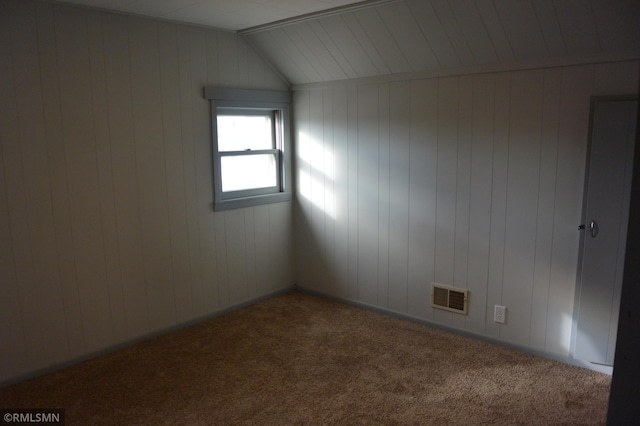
column 604, row 229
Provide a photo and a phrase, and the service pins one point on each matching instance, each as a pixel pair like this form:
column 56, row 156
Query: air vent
column 449, row 298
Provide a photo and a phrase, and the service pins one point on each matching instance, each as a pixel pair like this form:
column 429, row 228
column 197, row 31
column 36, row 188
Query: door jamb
column 583, row 219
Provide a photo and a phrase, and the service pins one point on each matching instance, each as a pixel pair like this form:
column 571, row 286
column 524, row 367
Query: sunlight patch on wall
column 564, row 337
column 316, row 174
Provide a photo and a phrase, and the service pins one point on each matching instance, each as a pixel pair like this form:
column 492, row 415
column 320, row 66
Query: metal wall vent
column 449, row 298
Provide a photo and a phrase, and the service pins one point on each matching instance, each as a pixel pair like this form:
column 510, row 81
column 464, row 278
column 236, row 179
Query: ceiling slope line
column 589, row 59
column 315, row 15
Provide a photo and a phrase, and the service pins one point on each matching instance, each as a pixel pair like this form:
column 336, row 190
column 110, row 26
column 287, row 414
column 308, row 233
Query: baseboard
column 112, row 348
column 555, row 357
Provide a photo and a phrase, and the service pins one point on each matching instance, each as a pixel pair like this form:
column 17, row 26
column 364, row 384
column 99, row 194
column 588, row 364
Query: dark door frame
column 624, row 399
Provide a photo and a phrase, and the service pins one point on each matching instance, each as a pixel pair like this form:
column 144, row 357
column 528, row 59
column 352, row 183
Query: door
column 604, row 229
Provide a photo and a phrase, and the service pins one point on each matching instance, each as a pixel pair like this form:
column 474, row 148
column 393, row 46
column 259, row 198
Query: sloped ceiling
column 314, row 41
column 222, row 14
column 431, row 35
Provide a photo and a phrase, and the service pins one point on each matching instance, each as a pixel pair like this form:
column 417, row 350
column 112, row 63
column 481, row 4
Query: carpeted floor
column 298, row 359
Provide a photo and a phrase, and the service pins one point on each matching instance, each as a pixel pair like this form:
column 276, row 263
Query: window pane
column 240, row 172
column 242, row 132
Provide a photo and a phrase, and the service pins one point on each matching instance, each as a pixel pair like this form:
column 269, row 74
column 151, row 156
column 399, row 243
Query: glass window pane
column 240, row 172
column 242, row 132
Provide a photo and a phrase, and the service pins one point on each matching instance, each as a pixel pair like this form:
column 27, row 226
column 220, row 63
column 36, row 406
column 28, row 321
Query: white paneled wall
column 473, row 181
column 106, row 224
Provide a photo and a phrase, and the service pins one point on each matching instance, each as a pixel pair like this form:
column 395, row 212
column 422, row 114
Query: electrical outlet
column 500, row 314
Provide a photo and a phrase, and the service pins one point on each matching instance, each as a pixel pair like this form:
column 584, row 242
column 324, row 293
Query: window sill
column 257, row 200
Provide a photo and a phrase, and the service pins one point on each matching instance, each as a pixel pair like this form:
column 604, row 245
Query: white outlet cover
column 500, row 314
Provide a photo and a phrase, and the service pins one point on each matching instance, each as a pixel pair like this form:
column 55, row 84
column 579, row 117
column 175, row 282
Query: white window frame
column 225, row 100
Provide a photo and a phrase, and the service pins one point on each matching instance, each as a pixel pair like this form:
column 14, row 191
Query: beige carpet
column 298, row 359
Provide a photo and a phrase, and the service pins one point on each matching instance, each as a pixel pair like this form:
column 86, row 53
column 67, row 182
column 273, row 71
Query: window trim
column 244, row 99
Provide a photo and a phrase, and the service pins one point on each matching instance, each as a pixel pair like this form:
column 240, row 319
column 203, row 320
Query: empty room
column 319, row 211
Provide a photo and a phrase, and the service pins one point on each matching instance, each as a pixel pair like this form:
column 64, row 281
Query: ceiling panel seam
column 334, row 51
column 424, row 36
column 315, row 15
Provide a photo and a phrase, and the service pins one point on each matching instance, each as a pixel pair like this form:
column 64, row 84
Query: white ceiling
column 435, row 35
column 223, row 14
column 326, row 40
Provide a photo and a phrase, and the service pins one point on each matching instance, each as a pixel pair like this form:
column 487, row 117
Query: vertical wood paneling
column 367, row 194
column 546, row 206
column 445, row 201
column 329, row 185
column 463, row 189
column 317, row 219
column 341, row 189
column 236, row 256
column 281, row 255
column 399, row 135
column 38, row 193
column 212, row 55
column 480, row 202
column 250, row 253
column 281, row 217
column 11, row 309
column 522, row 198
column 17, row 184
column 229, row 52
column 105, row 176
column 80, row 152
column 175, row 173
column 353, row 189
column 472, row 181
column 498, row 199
column 424, row 147
column 263, row 265
column 214, row 251
column 105, row 184
column 66, row 262
column 188, row 158
column 10, row 312
column 304, row 238
column 446, row 181
column 214, row 290
column 125, row 180
column 384, row 193
column 151, row 171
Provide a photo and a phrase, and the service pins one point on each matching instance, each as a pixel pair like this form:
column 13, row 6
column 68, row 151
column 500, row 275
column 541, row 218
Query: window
column 251, row 148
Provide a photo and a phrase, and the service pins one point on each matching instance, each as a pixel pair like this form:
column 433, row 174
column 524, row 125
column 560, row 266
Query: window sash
column 262, row 190
column 251, row 112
